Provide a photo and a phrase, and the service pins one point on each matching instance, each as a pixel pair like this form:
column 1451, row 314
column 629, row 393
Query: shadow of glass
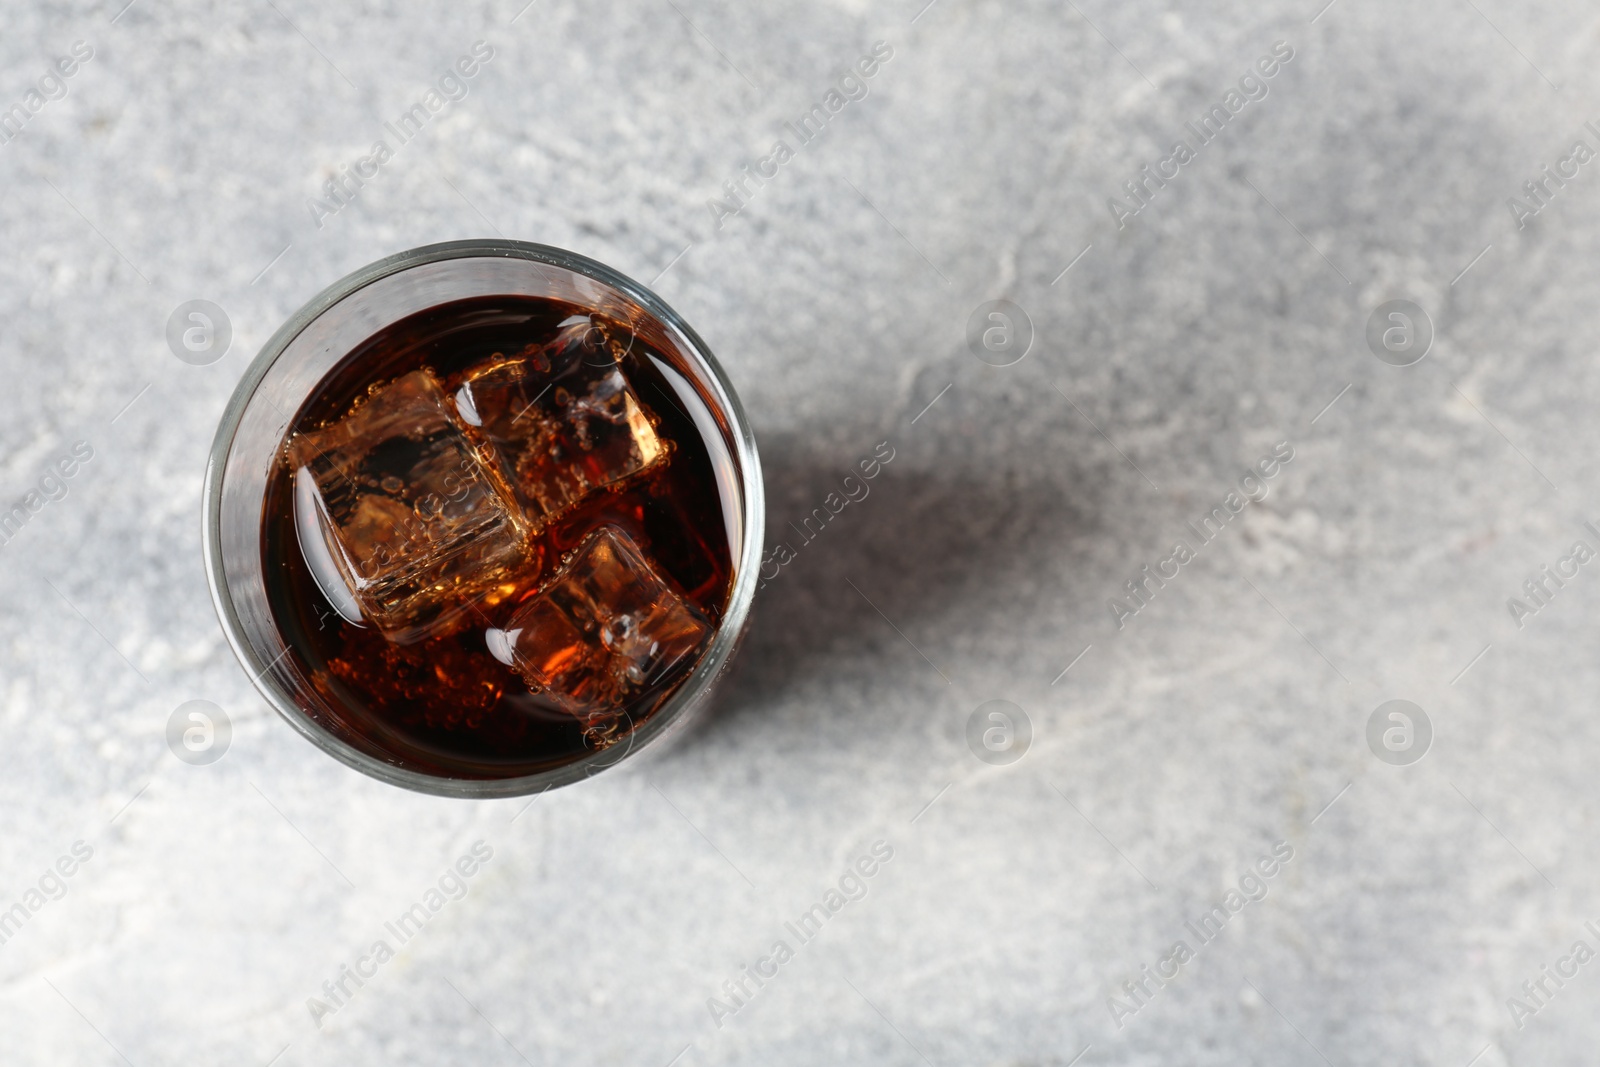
column 919, row 552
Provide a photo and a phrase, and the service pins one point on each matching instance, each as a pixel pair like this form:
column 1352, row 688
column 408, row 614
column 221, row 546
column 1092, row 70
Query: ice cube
column 604, row 629
column 562, row 417
column 411, row 518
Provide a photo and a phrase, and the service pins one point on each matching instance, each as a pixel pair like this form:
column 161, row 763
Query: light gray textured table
column 1228, row 715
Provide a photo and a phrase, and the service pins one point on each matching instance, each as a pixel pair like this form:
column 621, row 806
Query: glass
column 313, row 342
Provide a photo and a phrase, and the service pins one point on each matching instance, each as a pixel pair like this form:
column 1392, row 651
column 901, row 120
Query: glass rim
column 746, row 565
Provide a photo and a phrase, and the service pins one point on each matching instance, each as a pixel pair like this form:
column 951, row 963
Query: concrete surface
column 1228, row 715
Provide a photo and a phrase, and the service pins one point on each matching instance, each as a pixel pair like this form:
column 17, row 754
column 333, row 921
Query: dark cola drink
column 494, row 538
